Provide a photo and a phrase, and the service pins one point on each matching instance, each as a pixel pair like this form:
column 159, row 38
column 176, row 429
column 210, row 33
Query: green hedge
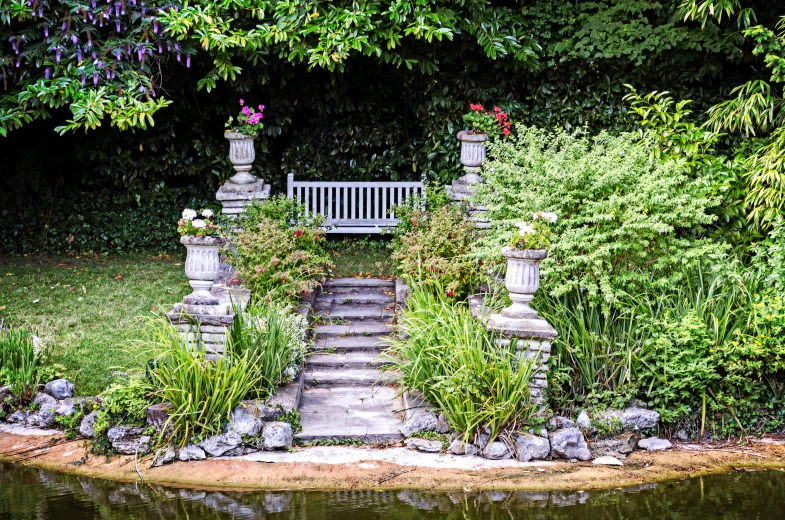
column 86, row 222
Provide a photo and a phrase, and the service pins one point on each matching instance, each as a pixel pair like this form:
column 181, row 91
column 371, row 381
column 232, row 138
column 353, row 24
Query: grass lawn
column 361, row 257
column 87, row 309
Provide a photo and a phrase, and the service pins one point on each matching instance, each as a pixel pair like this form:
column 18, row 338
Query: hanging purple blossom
column 93, row 4
column 47, row 73
column 46, row 31
column 117, row 24
column 83, row 79
column 79, row 55
column 95, row 78
column 188, row 61
column 74, row 39
column 57, row 54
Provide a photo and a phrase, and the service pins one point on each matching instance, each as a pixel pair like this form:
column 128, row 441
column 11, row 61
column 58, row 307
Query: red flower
column 497, row 109
column 450, row 294
column 506, row 131
column 298, row 234
column 476, row 108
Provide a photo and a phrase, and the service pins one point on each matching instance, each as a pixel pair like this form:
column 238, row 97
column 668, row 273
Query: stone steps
column 347, row 395
column 338, row 376
column 329, row 300
column 364, row 329
column 352, row 343
column 347, row 360
column 354, row 314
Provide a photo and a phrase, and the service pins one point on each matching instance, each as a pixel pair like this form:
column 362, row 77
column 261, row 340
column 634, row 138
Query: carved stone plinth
column 235, row 197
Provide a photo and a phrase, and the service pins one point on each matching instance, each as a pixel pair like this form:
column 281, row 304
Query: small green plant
column 249, row 121
column 435, row 436
column 536, row 235
column 20, row 365
column 292, row 417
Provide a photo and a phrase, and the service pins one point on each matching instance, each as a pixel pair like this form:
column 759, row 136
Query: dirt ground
column 58, row 454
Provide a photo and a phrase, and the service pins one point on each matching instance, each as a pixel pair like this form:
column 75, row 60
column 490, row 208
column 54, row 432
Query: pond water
column 27, row 493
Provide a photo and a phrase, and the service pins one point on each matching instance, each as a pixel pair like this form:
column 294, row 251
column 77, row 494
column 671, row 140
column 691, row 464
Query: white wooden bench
column 354, row 207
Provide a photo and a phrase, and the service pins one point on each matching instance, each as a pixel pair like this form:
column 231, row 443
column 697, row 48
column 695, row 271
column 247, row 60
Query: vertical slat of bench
column 330, row 202
column 384, row 202
column 307, row 200
column 361, row 192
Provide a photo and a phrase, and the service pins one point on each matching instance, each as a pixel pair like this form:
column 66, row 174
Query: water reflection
column 27, row 493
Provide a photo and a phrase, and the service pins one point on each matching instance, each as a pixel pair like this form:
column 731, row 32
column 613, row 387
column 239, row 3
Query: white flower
column 524, row 229
column 551, row 217
column 207, row 213
column 200, row 224
column 189, row 214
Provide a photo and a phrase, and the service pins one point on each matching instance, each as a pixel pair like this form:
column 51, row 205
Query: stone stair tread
column 359, row 329
column 352, row 343
column 351, row 412
column 348, row 376
column 349, row 360
column 330, row 299
column 345, row 312
column 360, row 282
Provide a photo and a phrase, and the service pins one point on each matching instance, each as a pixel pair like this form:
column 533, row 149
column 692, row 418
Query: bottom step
column 362, row 414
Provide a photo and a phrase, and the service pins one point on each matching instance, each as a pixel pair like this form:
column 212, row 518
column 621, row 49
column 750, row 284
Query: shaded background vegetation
column 115, row 190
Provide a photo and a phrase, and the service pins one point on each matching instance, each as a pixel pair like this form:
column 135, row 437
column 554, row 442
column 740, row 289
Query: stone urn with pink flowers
column 241, row 134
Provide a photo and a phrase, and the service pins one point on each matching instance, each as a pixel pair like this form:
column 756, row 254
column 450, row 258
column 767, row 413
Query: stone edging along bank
column 340, row 468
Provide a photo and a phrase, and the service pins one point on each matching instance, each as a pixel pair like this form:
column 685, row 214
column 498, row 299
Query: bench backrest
column 354, row 207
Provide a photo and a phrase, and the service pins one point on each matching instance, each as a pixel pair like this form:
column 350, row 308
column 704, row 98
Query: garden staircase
column 347, row 396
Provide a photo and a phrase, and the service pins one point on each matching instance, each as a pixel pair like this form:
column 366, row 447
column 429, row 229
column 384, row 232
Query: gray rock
column 532, row 447
column 86, row 427
column 423, row 445
column 622, row 444
column 497, row 450
column 557, row 422
column 46, row 402
column 607, row 461
column 240, row 451
column 655, row 444
column 129, row 440
column 220, row 444
column 249, row 417
column 164, row 456
column 629, row 418
column 420, row 421
column 277, row 435
column 442, row 424
column 457, row 447
column 67, row 407
column 569, row 444
column 639, row 418
column 191, row 452
column 583, row 420
column 18, row 417
column 59, row 389
column 158, row 415
column 44, row 419
column 481, row 440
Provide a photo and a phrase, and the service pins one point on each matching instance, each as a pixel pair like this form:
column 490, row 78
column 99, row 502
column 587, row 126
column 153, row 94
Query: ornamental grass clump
column 20, row 365
column 452, row 359
column 202, row 391
column 274, row 335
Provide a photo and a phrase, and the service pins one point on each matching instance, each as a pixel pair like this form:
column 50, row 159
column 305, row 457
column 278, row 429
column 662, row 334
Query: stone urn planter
column 202, row 267
column 522, row 280
column 242, row 155
column 472, row 150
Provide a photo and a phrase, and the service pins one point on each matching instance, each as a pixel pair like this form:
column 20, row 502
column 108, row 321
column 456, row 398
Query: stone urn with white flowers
column 527, row 249
column 200, row 236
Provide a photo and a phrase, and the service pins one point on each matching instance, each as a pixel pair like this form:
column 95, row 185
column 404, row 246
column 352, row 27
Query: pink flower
column 298, row 234
column 246, row 111
column 242, row 102
column 261, row 107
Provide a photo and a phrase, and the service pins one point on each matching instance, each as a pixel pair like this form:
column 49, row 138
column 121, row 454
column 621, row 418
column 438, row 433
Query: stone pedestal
column 533, row 338
column 464, row 188
column 209, row 326
column 235, row 197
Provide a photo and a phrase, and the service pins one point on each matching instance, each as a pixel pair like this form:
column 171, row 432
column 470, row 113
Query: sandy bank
column 328, row 468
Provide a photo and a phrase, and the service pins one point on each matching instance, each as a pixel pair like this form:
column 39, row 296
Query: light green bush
column 626, row 223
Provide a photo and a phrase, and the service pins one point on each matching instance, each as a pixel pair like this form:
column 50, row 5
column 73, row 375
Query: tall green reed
column 19, row 363
column 453, row 360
